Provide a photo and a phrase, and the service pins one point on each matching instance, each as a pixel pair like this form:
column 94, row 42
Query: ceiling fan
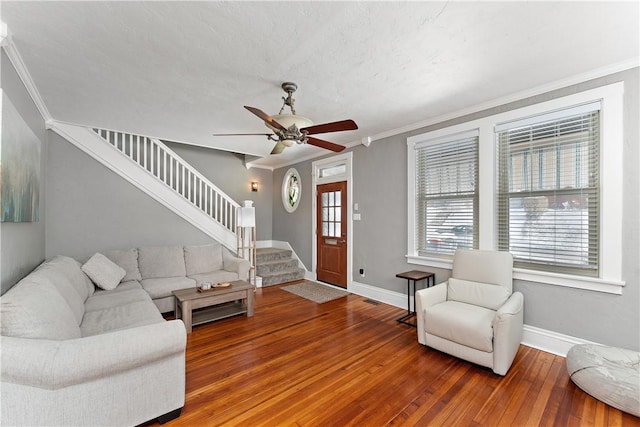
column 290, row 128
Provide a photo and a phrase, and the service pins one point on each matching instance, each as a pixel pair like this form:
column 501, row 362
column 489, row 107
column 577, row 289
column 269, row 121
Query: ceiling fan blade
column 242, row 134
column 331, row 127
column 278, row 148
column 325, row 144
column 267, row 118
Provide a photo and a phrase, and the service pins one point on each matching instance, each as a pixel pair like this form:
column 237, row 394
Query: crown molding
column 518, row 96
column 16, row 60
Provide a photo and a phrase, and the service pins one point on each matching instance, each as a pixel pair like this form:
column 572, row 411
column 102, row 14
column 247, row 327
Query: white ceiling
column 182, row 71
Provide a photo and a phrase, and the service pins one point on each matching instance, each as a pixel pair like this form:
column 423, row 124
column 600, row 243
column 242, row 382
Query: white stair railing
column 163, row 163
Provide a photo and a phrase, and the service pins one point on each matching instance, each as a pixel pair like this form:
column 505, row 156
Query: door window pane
column 331, row 217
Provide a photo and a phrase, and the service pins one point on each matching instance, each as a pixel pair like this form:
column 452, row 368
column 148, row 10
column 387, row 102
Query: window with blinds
column 548, row 190
column 446, row 172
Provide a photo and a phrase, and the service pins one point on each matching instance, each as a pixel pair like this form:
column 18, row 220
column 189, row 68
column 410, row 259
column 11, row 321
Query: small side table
column 414, row 276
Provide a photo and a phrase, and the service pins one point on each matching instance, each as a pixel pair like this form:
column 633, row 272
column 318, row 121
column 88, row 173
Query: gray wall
column 379, row 242
column 227, row 171
column 294, row 227
column 91, row 209
column 22, row 245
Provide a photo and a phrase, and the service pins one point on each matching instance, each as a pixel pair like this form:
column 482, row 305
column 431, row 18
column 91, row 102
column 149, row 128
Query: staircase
column 158, row 171
column 277, row 266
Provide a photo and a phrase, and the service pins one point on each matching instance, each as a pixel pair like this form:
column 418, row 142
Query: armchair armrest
column 235, row 264
column 426, row 298
column 54, row 365
column 507, row 332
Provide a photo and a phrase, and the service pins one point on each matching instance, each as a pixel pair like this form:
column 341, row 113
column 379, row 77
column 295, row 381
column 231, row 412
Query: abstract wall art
column 19, row 168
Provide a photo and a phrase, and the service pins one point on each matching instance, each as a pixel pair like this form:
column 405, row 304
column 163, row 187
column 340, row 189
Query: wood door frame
column 317, row 166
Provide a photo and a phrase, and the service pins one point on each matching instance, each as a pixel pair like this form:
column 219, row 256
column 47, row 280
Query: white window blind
column 446, row 173
column 548, row 196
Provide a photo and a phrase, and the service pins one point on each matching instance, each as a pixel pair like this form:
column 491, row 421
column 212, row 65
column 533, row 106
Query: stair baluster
column 160, row 161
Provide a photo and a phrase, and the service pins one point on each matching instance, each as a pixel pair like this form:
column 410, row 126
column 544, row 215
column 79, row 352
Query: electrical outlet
column 362, row 272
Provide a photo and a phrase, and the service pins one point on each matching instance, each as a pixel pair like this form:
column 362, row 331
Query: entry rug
column 315, row 292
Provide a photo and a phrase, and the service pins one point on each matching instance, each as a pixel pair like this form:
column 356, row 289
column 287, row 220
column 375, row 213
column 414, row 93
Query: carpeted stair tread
column 276, row 266
column 271, row 254
column 265, row 267
column 287, row 271
column 278, row 277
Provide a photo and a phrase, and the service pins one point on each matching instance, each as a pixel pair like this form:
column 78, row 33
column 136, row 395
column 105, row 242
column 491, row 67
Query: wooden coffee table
column 195, row 308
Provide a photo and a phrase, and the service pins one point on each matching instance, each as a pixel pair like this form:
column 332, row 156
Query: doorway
column 333, row 246
column 331, row 232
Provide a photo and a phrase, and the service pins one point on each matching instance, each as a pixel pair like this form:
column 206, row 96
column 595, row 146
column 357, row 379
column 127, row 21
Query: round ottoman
column 609, row 374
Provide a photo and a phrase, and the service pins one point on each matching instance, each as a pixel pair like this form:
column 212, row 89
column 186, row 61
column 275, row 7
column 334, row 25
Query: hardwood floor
column 348, row 362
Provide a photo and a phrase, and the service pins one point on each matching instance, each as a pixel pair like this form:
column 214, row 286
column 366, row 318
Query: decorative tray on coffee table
column 215, row 287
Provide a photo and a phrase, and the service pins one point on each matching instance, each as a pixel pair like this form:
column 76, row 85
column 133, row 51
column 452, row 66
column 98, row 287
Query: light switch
column 356, row 217
column 355, row 207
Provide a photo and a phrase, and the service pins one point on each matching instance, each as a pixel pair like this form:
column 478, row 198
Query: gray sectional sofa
column 162, row 269
column 75, row 354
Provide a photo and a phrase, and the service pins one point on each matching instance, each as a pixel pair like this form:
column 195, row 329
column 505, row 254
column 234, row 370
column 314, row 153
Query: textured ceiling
column 182, row 71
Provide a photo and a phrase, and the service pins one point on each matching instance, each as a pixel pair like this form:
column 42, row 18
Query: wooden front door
column 331, row 232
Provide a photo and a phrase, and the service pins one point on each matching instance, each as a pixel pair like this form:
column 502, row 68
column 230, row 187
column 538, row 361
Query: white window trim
column 611, row 157
column 452, row 133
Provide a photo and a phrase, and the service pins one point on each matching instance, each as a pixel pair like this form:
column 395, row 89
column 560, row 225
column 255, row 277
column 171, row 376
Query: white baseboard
column 386, row 296
column 541, row 339
column 549, row 341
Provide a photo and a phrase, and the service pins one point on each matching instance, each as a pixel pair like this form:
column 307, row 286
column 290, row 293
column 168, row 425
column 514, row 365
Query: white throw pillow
column 103, row 272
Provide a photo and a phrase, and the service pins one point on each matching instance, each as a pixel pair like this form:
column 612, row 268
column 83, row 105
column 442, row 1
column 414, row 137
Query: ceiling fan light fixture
column 290, row 129
column 288, row 120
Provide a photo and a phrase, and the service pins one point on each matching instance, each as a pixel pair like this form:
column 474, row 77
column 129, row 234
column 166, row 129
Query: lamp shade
column 246, row 217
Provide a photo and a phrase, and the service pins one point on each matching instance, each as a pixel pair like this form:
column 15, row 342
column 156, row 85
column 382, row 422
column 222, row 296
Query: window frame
column 557, row 147
column 611, row 97
column 447, row 139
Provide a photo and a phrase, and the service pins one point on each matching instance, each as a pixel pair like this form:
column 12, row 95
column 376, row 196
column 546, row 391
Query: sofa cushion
column 36, row 310
column 161, row 261
column 128, row 260
column 64, row 274
column 134, row 314
column 215, row 277
column 203, row 259
column 105, row 273
column 465, row 324
column 476, row 293
column 162, row 287
column 107, row 299
column 123, row 286
column 69, row 269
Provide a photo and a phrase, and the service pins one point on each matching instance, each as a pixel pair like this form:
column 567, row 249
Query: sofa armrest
column 507, row 332
column 54, row 365
column 426, row 298
column 235, row 264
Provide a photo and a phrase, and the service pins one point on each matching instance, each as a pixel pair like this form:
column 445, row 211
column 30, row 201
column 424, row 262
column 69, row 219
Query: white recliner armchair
column 475, row 315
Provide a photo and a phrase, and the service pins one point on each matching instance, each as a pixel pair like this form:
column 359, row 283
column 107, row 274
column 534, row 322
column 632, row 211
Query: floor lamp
column 246, row 231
